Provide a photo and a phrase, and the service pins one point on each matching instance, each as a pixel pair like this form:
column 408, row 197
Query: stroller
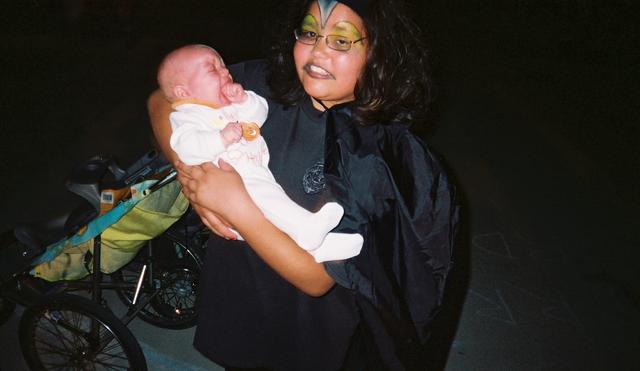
column 135, row 226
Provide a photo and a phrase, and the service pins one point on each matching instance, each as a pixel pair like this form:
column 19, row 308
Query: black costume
column 394, row 193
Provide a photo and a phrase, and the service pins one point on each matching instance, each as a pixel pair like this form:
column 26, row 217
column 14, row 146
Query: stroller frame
column 17, row 286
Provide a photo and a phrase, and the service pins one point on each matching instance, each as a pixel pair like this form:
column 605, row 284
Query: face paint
column 309, row 23
column 327, row 75
column 326, row 7
column 347, row 30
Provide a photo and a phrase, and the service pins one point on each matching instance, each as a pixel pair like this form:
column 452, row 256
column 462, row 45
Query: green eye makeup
column 346, row 29
column 309, row 23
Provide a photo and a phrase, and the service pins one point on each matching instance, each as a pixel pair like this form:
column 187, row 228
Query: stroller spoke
column 51, row 348
column 64, row 340
column 57, row 334
column 113, row 365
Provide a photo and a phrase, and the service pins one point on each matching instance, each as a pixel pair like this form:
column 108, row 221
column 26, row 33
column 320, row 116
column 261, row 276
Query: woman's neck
column 318, row 104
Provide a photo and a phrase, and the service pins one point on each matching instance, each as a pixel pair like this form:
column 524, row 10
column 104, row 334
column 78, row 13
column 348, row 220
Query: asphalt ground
column 535, row 115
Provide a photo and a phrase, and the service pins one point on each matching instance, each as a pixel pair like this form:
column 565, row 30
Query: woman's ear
column 180, row 92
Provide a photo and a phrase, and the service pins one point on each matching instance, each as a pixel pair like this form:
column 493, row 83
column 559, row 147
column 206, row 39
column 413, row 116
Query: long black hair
column 395, row 84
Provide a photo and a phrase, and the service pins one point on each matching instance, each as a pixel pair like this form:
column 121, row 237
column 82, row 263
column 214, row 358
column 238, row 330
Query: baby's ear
column 180, row 92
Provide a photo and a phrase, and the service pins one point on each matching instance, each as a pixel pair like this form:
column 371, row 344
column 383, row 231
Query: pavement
column 535, row 116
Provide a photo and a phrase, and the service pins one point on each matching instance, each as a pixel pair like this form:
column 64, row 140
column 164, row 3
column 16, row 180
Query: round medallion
column 313, row 179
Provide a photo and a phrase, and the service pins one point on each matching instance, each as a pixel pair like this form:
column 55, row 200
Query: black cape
column 397, row 195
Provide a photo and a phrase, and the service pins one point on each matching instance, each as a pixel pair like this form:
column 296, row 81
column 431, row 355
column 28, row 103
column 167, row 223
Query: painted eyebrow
column 309, row 20
column 346, row 27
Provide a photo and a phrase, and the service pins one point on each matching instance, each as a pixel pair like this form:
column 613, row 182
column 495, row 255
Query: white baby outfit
column 196, row 139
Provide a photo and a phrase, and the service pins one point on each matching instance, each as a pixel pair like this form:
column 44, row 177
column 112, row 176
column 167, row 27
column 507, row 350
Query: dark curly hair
column 395, row 84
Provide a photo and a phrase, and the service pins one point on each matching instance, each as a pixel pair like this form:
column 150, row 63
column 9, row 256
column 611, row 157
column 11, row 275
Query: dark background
column 536, row 114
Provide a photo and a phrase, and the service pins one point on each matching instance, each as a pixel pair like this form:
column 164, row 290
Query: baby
column 216, row 118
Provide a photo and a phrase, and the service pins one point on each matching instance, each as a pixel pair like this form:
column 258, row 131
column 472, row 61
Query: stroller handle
column 87, row 179
column 164, row 181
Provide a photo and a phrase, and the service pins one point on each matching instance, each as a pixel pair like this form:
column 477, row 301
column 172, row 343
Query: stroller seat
column 86, row 181
column 39, row 235
column 28, row 241
column 123, row 219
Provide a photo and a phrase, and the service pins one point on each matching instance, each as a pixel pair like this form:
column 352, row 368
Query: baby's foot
column 338, row 246
column 311, row 235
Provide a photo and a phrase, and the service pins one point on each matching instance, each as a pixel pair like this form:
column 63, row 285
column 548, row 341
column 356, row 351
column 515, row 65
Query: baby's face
column 208, row 76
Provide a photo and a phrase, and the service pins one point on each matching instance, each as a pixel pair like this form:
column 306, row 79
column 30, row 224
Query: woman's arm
column 159, row 109
column 283, row 255
column 221, row 190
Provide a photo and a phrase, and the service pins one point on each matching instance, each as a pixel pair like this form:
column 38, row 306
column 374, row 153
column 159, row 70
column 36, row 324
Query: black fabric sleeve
column 397, row 195
column 347, row 275
column 428, row 202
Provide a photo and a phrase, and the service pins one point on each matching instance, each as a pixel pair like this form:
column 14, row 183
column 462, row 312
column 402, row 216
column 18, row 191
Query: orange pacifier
column 250, row 130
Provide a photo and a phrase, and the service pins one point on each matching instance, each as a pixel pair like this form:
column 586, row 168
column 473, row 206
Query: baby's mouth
column 317, row 72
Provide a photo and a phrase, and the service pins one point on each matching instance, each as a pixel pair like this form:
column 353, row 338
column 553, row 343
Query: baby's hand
column 231, row 134
column 234, row 92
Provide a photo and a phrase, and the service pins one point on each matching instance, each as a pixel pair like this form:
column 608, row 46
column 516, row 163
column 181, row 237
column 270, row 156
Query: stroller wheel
column 175, row 302
column 69, row 332
column 6, row 309
column 175, row 278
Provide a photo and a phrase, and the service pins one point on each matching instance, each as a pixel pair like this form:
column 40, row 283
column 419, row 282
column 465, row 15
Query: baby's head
column 194, row 72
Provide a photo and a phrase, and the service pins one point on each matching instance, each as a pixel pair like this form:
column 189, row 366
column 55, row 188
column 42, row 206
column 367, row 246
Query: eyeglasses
column 335, row 42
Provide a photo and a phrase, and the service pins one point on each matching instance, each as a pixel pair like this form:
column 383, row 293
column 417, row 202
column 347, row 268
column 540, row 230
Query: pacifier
column 250, row 130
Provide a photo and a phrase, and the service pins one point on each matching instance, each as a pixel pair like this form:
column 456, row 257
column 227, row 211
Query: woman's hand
column 220, row 198
column 215, row 223
column 217, row 194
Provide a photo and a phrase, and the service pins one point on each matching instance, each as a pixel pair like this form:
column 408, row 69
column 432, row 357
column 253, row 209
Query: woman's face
column 326, row 74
